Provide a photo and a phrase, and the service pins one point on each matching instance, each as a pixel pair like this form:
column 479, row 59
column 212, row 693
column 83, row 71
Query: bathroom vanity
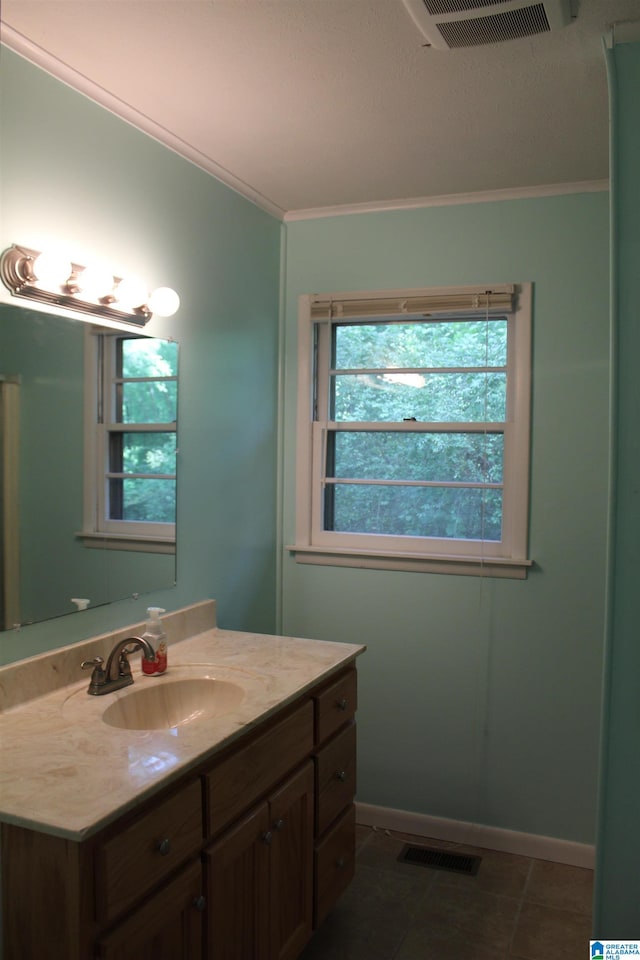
column 224, row 837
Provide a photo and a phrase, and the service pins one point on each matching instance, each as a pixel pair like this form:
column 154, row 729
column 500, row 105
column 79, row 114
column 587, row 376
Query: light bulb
column 164, row 302
column 51, row 270
column 131, row 292
column 95, row 282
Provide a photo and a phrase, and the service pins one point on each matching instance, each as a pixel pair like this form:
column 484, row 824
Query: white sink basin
column 164, row 704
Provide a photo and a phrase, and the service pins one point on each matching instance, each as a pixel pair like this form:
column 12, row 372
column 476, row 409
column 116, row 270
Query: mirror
column 50, row 556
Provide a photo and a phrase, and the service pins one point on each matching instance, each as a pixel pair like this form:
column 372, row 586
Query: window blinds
column 434, row 301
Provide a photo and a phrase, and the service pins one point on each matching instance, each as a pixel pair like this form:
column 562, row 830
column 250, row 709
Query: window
column 130, row 441
column 413, row 430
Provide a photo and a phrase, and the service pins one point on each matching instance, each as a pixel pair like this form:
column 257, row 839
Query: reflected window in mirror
column 45, row 563
column 130, row 441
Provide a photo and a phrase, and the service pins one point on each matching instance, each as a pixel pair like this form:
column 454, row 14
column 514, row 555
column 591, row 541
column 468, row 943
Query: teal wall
column 72, row 171
column 479, row 699
column 47, row 354
column 617, row 901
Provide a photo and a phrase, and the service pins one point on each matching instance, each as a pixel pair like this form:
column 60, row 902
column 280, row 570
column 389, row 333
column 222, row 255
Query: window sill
column 124, row 541
column 418, row 563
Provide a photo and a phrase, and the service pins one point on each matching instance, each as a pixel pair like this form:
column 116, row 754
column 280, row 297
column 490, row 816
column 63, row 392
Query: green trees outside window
column 142, row 459
column 439, row 478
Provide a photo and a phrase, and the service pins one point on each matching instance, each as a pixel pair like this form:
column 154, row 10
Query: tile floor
column 515, row 908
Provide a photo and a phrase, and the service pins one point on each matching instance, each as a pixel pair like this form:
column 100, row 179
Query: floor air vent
column 440, row 860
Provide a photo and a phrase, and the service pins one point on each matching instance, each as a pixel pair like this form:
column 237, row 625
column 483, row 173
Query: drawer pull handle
column 341, row 775
column 164, row 847
column 340, row 862
column 279, row 824
column 267, row 837
column 341, row 704
column 200, row 904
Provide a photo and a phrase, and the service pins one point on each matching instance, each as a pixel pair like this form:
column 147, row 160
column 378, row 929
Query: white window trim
column 314, row 545
column 115, row 541
column 97, row 531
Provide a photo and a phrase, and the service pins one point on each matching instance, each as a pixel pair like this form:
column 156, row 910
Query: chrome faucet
column 117, row 673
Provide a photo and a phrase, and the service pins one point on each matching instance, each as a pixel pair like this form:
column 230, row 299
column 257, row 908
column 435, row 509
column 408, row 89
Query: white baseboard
column 477, row 835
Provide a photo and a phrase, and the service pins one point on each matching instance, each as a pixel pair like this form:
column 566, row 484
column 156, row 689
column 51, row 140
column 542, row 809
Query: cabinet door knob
column 200, row 904
column 341, row 775
column 164, row 846
column 279, row 824
column 267, row 837
column 341, row 704
column 340, row 863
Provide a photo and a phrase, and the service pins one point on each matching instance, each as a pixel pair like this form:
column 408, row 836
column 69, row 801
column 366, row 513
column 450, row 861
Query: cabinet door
column 168, row 927
column 237, row 870
column 291, row 868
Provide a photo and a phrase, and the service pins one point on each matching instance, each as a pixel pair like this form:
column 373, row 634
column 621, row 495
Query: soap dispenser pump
column 156, row 636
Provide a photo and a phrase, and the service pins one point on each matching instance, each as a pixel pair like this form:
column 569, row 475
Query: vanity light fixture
column 93, row 290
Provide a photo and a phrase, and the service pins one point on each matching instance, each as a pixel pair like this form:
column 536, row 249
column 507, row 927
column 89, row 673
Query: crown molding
column 451, row 199
column 77, row 81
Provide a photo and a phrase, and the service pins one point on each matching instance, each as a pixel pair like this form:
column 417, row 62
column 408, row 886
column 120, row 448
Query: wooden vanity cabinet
column 259, row 870
column 169, row 925
column 259, row 878
column 334, row 863
column 47, row 886
column 275, row 873
column 335, row 788
column 118, row 895
column 145, row 850
column 239, row 860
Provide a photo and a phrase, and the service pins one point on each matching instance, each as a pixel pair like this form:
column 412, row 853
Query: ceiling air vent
column 447, row 24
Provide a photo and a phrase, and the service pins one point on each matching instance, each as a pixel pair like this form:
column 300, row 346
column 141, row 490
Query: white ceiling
column 305, row 104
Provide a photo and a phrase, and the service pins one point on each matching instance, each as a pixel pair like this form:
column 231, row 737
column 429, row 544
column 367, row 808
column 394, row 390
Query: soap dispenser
column 156, row 636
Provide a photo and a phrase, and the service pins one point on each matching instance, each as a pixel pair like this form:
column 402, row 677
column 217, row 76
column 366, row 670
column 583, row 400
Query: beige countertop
column 64, row 771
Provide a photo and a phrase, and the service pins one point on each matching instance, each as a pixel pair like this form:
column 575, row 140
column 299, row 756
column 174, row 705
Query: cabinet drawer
column 249, row 772
column 336, row 705
column 137, row 857
column 335, row 777
column 335, row 860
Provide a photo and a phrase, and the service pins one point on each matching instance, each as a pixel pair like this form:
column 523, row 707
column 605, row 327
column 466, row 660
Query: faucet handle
column 98, row 676
column 124, row 667
column 88, row 664
column 128, row 651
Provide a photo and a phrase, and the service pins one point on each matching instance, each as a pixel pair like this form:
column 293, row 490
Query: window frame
column 99, row 530
column 313, row 544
